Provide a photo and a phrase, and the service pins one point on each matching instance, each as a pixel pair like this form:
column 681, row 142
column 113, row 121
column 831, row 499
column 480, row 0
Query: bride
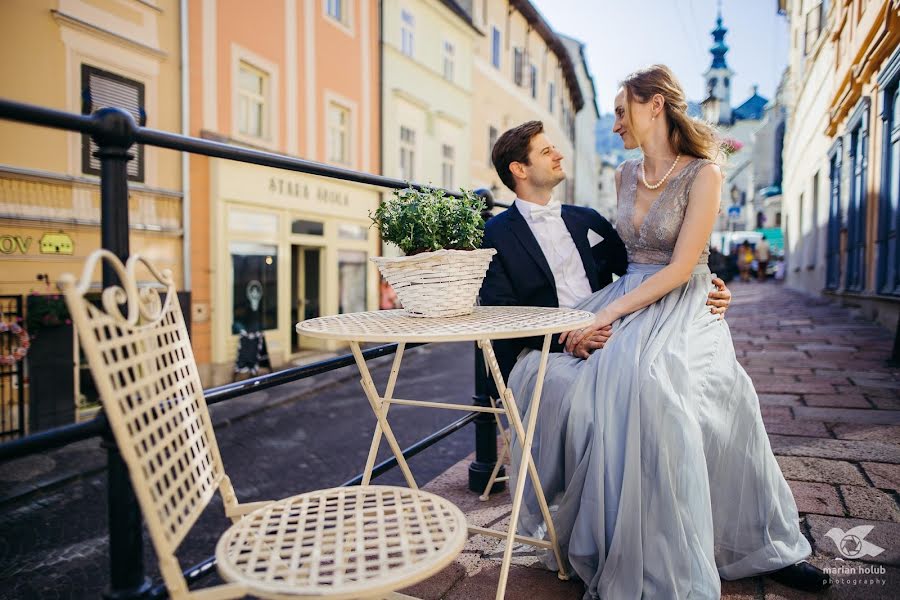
column 652, row 452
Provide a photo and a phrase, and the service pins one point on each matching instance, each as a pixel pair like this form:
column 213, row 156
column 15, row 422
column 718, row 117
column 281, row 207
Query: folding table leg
column 388, row 394
column 504, row 452
column 527, row 435
column 375, row 402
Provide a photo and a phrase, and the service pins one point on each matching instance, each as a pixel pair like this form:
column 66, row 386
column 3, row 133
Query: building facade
column 843, row 219
column 427, row 51
column 587, row 162
column 270, row 247
column 522, row 72
column 91, row 55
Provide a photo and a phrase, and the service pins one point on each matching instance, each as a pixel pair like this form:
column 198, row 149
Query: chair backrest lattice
column 144, row 369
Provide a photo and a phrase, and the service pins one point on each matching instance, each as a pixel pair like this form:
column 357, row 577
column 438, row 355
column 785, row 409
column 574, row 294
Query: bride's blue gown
column 652, row 453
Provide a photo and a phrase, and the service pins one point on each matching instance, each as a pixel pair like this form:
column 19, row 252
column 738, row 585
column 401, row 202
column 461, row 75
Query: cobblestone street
column 830, row 403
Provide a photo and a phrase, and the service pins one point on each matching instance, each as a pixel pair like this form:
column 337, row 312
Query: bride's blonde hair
column 688, row 136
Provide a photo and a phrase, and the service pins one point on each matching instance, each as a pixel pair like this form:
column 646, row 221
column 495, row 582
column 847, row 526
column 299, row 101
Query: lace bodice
column 655, row 241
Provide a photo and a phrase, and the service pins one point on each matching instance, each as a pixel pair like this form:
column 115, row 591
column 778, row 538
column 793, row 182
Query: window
column 407, row 33
column 492, row 140
column 856, row 208
column 533, row 76
column 337, row 10
column 888, row 243
column 252, row 115
column 449, row 52
column 801, row 247
column 813, row 253
column 304, row 227
column 495, row 47
column 352, row 266
column 407, row 154
column 551, row 96
column 447, row 167
column 102, row 89
column 519, row 66
column 833, row 239
column 338, row 134
column 815, row 20
column 255, row 287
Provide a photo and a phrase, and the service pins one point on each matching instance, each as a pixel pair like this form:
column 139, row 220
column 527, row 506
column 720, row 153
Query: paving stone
column 849, row 582
column 792, row 371
column 848, row 415
column 821, row 470
column 826, row 348
column 524, row 583
column 880, row 433
column 816, row 498
column 437, row 586
column 884, row 476
column 793, row 427
column 749, row 588
column 885, row 403
column 780, row 399
column 837, row 400
column 795, row 388
column 776, row 413
column 870, row 503
column 884, row 534
column 874, row 451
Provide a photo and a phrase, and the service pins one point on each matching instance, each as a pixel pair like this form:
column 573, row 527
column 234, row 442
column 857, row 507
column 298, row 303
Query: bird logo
column 852, row 543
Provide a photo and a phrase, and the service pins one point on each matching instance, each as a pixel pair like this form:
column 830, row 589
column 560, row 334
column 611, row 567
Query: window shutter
column 102, row 89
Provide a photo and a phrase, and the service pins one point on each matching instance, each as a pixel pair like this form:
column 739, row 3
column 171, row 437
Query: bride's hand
column 572, row 338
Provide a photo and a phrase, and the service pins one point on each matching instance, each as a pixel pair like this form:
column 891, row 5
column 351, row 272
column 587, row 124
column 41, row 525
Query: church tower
column 717, row 105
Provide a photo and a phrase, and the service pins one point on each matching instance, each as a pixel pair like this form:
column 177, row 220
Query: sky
column 624, row 35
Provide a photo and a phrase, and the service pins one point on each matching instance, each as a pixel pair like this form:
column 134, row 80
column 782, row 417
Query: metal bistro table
column 486, row 323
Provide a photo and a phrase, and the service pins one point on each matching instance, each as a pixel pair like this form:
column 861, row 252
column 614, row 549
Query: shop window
column 856, row 209
column 304, row 227
column 254, row 289
column 352, row 267
column 102, row 89
column 352, row 232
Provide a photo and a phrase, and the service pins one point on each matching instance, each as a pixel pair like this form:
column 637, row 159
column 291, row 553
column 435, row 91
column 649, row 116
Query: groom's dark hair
column 513, row 147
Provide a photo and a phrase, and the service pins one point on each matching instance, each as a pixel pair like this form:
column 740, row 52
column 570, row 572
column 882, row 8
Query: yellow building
column 843, row 221
column 427, row 91
column 522, row 72
column 80, row 56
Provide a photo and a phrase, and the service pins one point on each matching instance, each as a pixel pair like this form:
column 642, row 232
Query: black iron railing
column 115, row 133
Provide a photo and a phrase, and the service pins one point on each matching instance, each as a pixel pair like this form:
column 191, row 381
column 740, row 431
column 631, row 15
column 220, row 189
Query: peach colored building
column 271, row 247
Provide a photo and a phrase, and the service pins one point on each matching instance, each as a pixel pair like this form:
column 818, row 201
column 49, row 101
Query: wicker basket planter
column 443, row 283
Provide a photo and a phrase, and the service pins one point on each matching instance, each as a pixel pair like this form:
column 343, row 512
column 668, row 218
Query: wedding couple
column 649, row 443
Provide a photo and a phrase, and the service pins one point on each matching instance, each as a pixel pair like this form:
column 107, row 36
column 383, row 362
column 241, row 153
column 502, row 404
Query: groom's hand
column 593, row 342
column 720, row 299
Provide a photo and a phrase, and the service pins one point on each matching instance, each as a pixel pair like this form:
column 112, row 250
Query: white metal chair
column 342, row 543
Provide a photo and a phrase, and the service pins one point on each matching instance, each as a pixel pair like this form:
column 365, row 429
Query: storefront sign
column 299, row 189
column 57, row 243
column 14, row 244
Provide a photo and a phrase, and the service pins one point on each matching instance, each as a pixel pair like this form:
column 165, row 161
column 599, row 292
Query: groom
column 549, row 254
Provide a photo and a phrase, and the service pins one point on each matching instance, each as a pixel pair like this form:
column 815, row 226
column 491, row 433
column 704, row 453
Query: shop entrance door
column 306, row 288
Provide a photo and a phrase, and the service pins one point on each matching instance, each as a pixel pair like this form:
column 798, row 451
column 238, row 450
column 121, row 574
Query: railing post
column 485, row 424
column 126, row 536
column 485, row 434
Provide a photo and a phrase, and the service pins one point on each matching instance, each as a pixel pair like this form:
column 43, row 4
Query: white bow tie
column 552, row 209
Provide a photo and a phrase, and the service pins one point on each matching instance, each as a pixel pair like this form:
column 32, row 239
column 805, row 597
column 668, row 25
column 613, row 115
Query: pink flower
column 68, row 321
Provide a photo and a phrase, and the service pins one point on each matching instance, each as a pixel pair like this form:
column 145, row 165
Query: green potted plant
column 441, row 236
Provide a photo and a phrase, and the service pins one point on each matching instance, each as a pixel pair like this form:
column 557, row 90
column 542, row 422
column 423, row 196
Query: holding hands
column 583, row 342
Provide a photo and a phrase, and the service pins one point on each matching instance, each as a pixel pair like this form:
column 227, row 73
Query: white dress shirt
column 552, row 235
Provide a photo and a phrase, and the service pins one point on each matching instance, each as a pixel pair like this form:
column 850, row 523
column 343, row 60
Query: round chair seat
column 353, row 542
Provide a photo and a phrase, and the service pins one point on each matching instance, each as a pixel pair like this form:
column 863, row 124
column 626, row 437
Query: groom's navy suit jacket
column 519, row 274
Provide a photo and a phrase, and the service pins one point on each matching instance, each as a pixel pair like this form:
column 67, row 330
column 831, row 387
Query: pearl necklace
column 661, row 181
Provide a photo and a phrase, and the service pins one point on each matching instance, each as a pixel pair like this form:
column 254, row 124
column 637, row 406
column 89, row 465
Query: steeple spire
column 719, row 48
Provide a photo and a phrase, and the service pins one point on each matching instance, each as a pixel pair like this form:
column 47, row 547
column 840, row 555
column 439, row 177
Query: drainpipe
column 185, row 158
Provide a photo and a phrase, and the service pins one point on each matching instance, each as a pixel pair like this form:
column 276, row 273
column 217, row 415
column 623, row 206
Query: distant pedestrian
column 762, row 258
column 744, row 260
